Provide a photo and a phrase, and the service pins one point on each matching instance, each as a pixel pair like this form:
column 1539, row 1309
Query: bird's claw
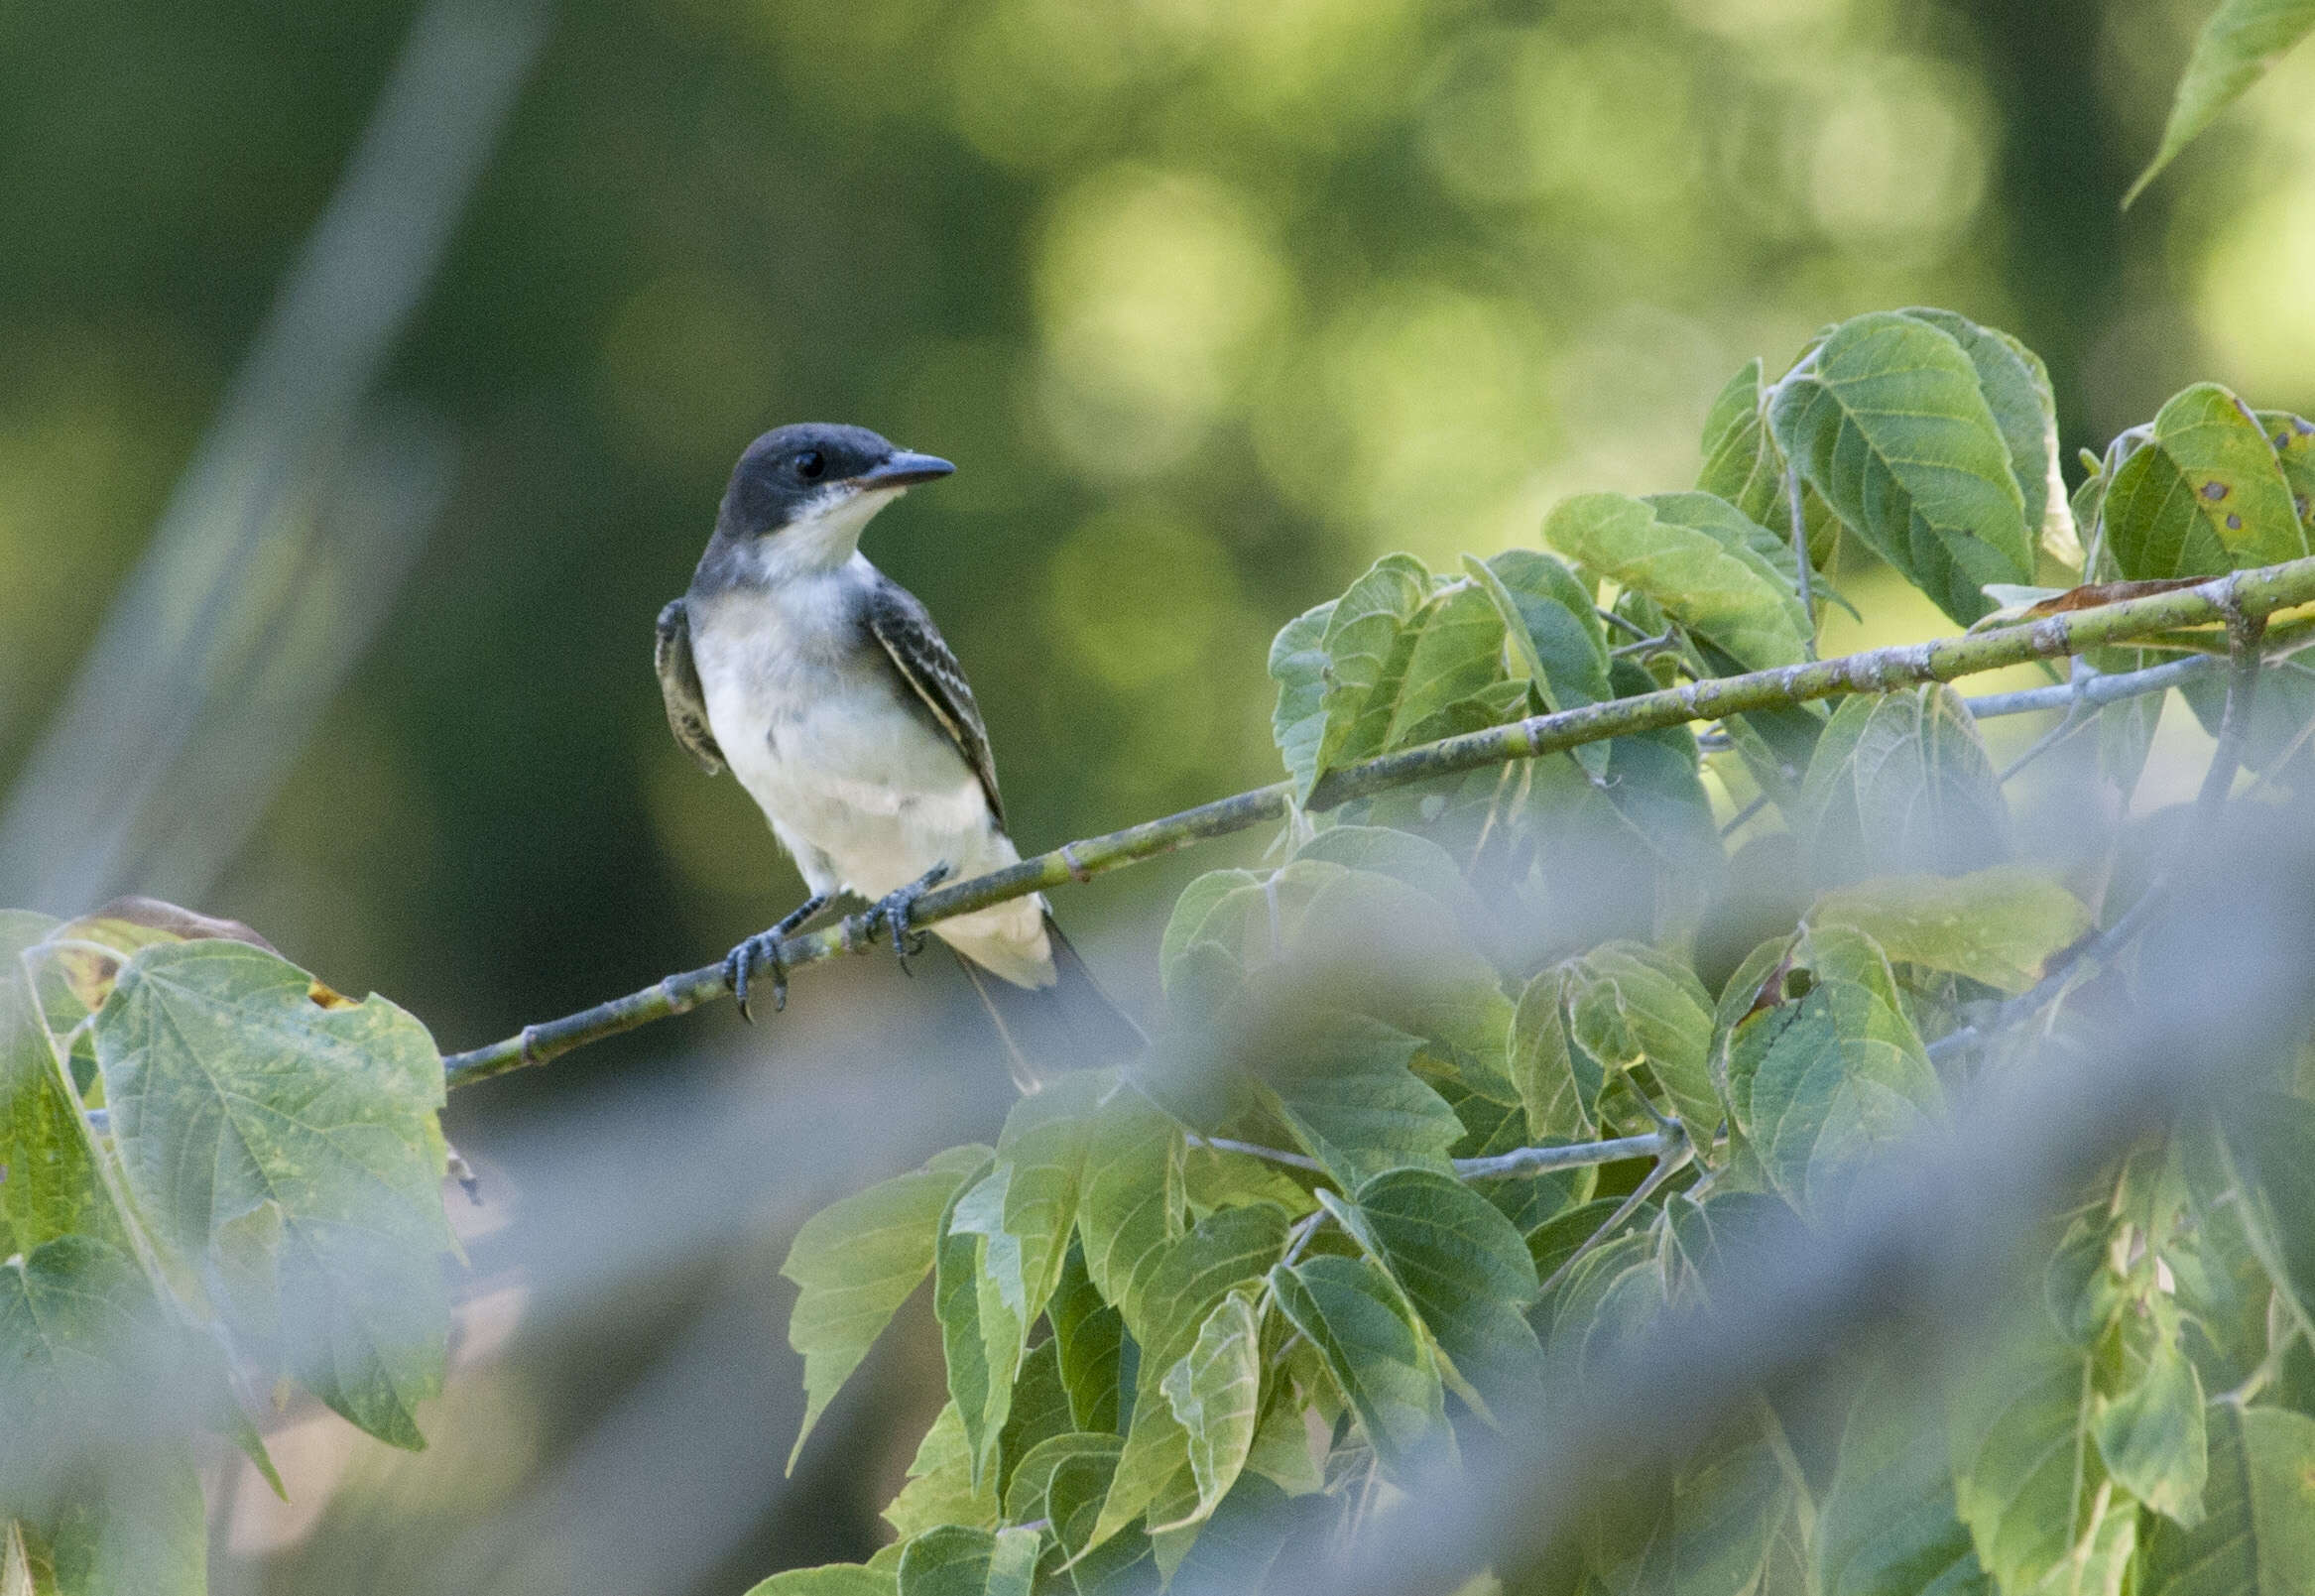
column 892, row 911
column 759, row 951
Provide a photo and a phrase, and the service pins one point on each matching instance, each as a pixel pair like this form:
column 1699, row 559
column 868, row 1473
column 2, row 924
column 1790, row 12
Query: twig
column 1580, row 1155
column 2050, row 987
column 1670, row 1162
column 1292, row 1160
column 2100, row 689
column 1668, row 638
column 1875, row 671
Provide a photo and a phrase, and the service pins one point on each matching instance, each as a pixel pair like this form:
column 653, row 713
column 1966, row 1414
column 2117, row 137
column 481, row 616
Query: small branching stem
column 2222, row 599
column 1670, row 1162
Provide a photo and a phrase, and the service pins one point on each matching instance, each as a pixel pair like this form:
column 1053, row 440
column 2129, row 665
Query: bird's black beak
column 903, row 468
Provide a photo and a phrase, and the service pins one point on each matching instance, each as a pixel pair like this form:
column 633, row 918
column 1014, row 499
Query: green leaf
column 1234, row 1553
column 2204, row 494
column 1558, row 1081
column 972, row 1317
column 1462, row 1268
column 1215, row 1393
column 2243, row 38
column 231, row 1089
column 1074, row 1498
column 950, row 1561
column 143, row 1531
column 51, row 1188
column 2025, row 1471
column 1683, row 553
column 1901, row 784
column 832, row 1580
column 1131, row 1206
column 1999, row 925
column 1822, row 1083
column 1089, row 1337
column 2293, row 437
column 1887, row 1526
column 86, row 1359
column 2273, row 1140
column 1889, row 425
column 1458, row 650
column 1350, row 1311
column 1353, row 1105
column 1553, row 633
column 855, row 1262
column 943, row 1486
column 1227, row 1250
column 2152, row 1435
column 1039, row 1412
column 2016, row 385
column 2259, row 1539
column 1025, row 1496
column 1297, row 663
column 1741, row 464
column 1632, row 1005
column 1042, row 1149
column 1364, row 651
column 1412, row 861
column 1194, row 911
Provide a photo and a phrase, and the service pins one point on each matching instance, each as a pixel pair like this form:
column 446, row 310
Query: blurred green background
column 1210, row 301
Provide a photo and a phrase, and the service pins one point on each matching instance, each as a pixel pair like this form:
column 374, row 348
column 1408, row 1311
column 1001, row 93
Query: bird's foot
column 762, row 951
column 891, row 912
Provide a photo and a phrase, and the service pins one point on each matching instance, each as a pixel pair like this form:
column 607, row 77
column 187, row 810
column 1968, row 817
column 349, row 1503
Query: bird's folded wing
column 679, row 686
column 904, row 628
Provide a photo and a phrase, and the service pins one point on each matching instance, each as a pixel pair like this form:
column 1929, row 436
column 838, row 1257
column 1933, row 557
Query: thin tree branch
column 1581, row 1155
column 2252, row 592
column 2096, row 692
column 1670, row 1162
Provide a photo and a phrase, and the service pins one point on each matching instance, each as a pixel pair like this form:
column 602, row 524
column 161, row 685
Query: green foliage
column 262, row 1203
column 2242, row 39
column 1381, row 1186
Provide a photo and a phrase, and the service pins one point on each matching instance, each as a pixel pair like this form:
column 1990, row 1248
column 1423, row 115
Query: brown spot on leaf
column 2214, row 490
column 126, row 925
column 2234, row 523
column 326, row 998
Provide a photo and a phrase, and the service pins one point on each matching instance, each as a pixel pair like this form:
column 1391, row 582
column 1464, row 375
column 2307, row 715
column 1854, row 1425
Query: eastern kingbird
column 828, row 689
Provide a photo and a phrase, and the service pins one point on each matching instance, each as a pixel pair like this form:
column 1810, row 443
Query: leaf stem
column 1670, row 1162
column 1874, row 670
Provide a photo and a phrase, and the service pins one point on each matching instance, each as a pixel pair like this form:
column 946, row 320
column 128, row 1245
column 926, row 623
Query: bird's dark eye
column 809, row 464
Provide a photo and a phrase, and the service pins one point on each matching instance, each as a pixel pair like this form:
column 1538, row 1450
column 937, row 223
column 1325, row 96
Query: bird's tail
column 1071, row 1025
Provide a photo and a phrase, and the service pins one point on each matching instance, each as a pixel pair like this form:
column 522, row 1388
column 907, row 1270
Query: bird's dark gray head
column 814, row 470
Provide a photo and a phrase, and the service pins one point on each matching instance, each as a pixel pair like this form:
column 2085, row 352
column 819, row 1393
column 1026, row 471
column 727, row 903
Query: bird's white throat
column 822, row 539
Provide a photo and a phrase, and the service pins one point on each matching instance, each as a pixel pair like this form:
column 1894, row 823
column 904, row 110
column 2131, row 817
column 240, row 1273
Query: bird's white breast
column 817, row 724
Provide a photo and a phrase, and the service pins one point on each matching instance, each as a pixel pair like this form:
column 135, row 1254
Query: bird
column 828, row 691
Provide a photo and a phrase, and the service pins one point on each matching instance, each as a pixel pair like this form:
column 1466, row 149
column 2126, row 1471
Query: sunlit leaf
column 942, row 1488
column 1215, row 1393
column 233, row 1091
column 51, row 1186
column 1889, row 425
column 1458, row 650
column 2293, row 437
column 2242, row 39
column 2204, row 494
column 1352, row 1313
column 1998, row 925
column 1025, row 1495
column 1691, row 565
column 855, row 1262
column 2151, row 1433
